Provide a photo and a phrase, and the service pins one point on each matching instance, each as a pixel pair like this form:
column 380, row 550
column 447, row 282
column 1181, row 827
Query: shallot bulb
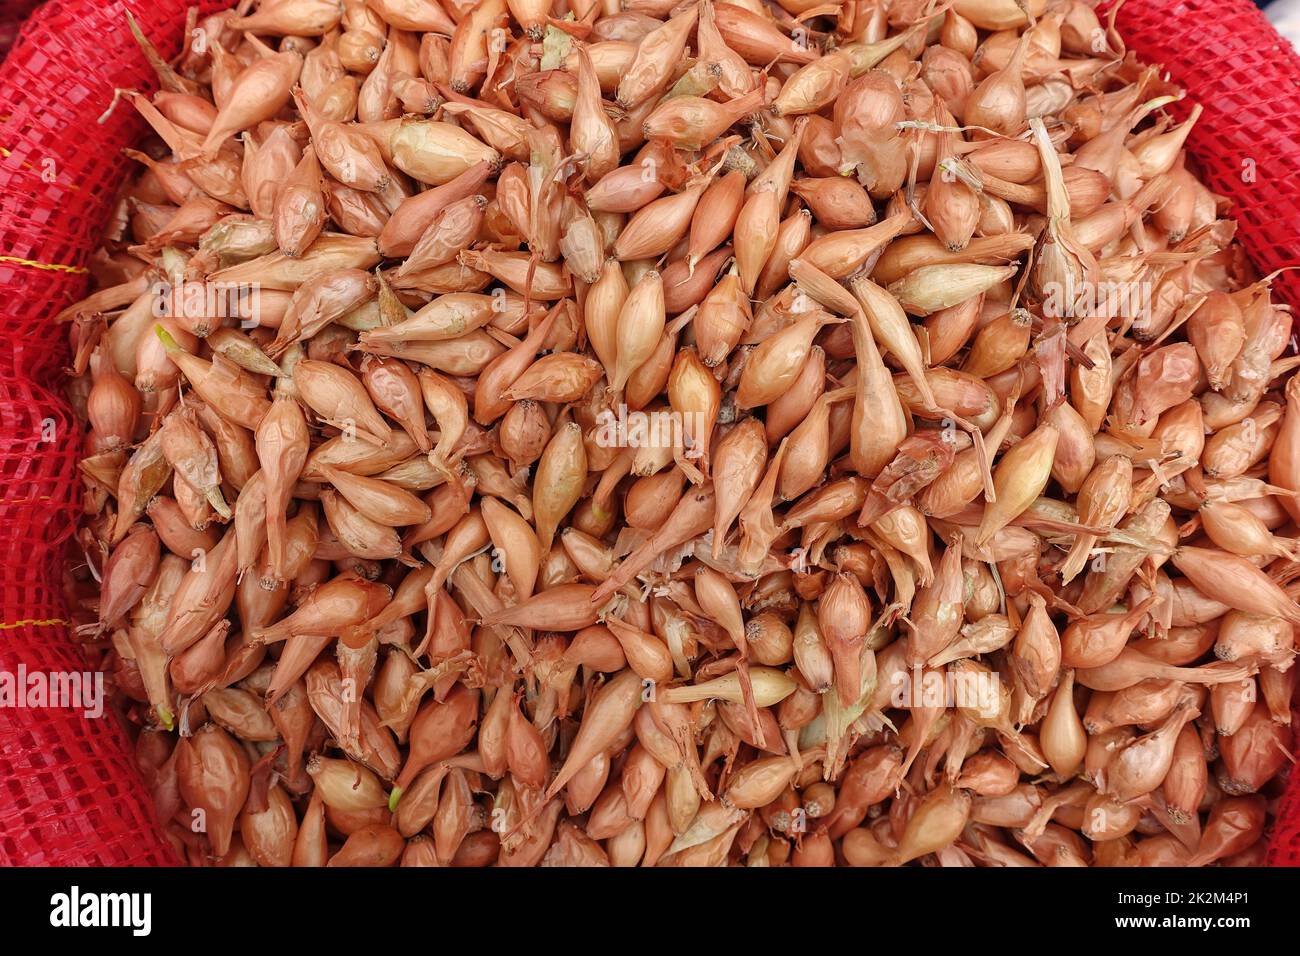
column 685, row 434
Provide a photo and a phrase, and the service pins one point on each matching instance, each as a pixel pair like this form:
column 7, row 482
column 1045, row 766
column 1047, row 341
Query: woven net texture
column 69, row 790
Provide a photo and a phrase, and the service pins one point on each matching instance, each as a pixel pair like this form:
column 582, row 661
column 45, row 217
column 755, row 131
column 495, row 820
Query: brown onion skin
column 446, row 602
column 214, row 779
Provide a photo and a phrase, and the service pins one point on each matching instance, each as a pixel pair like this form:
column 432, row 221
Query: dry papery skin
column 972, row 541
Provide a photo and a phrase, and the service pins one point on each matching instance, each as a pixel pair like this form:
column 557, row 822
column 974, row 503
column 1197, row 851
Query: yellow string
column 52, row 622
column 48, row 266
column 5, row 153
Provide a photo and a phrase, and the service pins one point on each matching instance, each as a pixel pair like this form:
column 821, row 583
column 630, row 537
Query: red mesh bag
column 70, row 791
column 1247, row 147
column 12, row 15
column 1229, row 58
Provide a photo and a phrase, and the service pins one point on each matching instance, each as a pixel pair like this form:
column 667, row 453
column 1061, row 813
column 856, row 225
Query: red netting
column 1229, row 58
column 1247, row 145
column 71, row 794
column 12, row 15
column 69, row 791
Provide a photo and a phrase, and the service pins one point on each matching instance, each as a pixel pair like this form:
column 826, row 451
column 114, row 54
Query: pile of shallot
column 685, row 433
